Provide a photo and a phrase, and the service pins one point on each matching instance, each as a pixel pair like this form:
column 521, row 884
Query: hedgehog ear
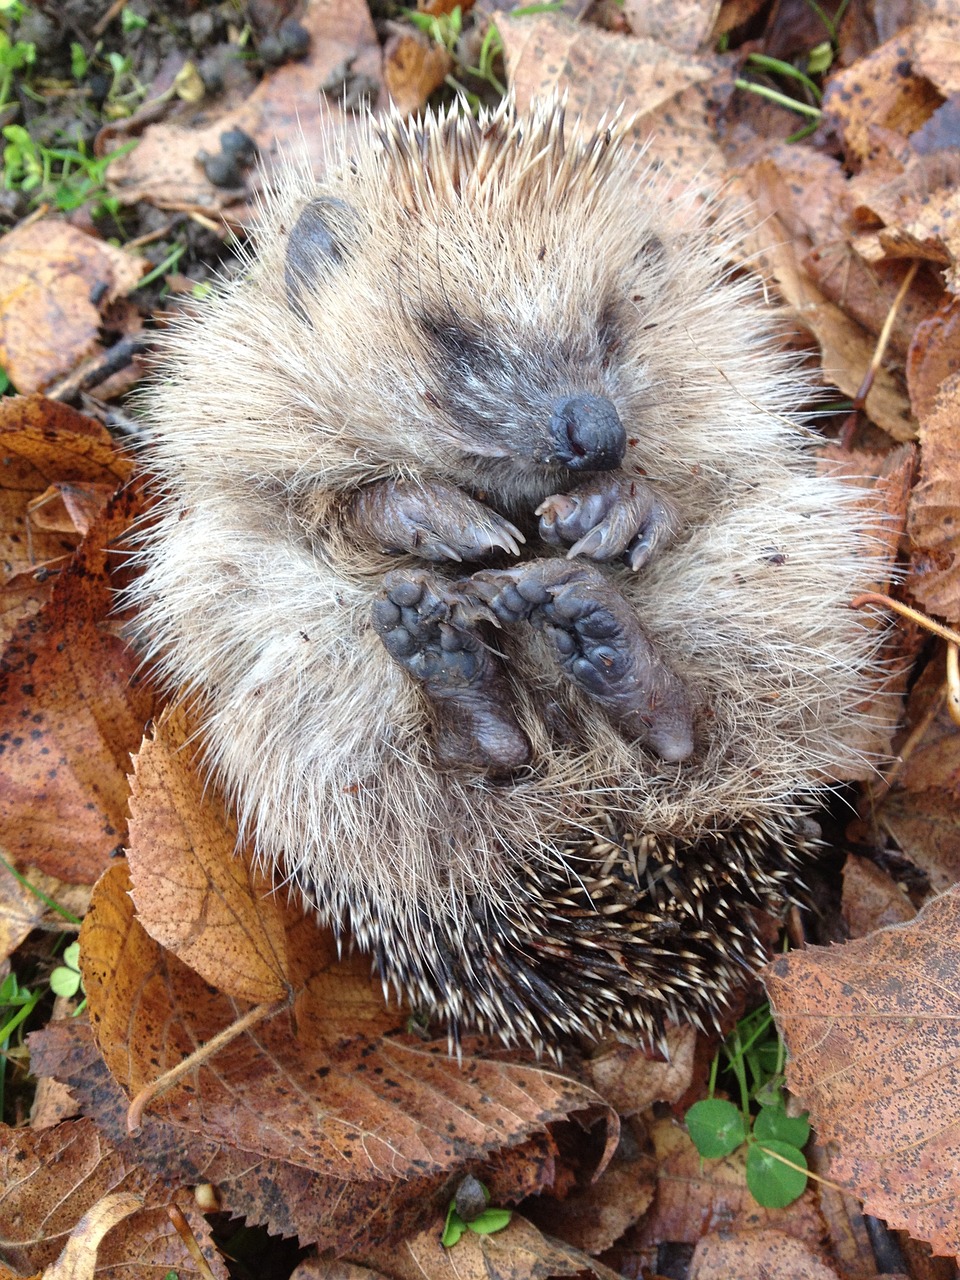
column 316, row 245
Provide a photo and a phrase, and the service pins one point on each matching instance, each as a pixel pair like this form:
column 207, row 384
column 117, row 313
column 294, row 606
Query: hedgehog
column 493, row 550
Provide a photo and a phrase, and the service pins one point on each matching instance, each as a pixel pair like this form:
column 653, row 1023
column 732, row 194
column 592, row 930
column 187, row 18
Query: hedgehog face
column 525, row 370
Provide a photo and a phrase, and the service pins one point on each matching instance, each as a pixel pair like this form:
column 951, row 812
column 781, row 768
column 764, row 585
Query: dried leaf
column 873, row 1029
column 594, row 1217
column 376, row 1109
column 48, row 271
column 288, row 1199
column 630, row 1080
column 693, row 1193
column 871, row 898
column 718, row 1256
column 934, row 517
column 846, row 349
column 279, row 115
column 684, row 26
column 934, row 357
column 926, row 826
column 193, row 894
column 413, row 67
column 72, row 707
column 49, row 1178
column 78, row 1261
column 670, row 96
column 519, row 1252
column 43, row 443
column 880, row 90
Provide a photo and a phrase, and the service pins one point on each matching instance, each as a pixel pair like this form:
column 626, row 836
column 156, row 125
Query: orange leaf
column 873, row 1029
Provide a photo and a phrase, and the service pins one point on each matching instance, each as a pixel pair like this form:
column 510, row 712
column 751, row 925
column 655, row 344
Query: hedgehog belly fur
column 413, row 317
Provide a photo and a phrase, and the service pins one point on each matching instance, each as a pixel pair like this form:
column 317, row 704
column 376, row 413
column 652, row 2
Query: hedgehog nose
column 588, row 434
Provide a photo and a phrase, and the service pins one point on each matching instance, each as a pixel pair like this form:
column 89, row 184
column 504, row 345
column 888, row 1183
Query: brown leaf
column 288, row 1199
column 331, row 1269
column 413, row 67
column 48, row 271
column 281, row 113
column 669, row 94
column 43, row 443
column 847, row 349
column 934, row 516
column 926, row 826
column 935, row 51
column 934, row 356
column 20, row 913
column 873, row 1029
column 72, row 707
column 312, row 1093
column 880, row 90
column 718, row 1256
column 683, row 25
column 694, row 1195
column 49, row 1178
column 630, row 1080
column 594, row 1217
column 193, row 894
column 519, row 1252
column 79, row 1258
column 871, row 898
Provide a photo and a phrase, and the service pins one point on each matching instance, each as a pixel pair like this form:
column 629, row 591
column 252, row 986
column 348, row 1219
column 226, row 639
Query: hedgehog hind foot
column 600, row 646
column 429, row 628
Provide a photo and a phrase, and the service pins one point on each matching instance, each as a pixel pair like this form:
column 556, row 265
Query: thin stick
column 921, row 619
column 169, row 1078
column 860, row 399
column 185, row 1232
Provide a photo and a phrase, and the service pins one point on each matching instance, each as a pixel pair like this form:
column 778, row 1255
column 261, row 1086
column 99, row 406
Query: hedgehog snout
column 588, row 433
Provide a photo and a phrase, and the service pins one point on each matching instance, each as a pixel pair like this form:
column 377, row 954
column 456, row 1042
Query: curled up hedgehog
column 514, row 603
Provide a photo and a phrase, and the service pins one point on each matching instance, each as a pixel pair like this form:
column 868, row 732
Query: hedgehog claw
column 433, row 521
column 427, row 626
column 613, row 515
column 599, row 644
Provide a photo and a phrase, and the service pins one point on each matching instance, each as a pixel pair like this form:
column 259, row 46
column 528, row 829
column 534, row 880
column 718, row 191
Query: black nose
column 588, row 433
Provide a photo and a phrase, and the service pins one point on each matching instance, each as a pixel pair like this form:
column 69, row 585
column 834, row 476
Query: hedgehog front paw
column 599, row 644
column 428, row 627
column 612, row 515
column 432, row 521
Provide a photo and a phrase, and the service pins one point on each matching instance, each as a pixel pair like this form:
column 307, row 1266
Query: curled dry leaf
column 594, row 1217
column 78, row 1261
column 881, row 90
column 192, row 892
column 49, row 1178
column 934, row 357
column 934, row 519
column 48, row 272
column 632, row 1080
column 72, row 707
column 306, row 1088
column 871, row 898
column 44, row 444
column 873, row 1029
column 413, row 67
column 63, row 1188
column 846, row 348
